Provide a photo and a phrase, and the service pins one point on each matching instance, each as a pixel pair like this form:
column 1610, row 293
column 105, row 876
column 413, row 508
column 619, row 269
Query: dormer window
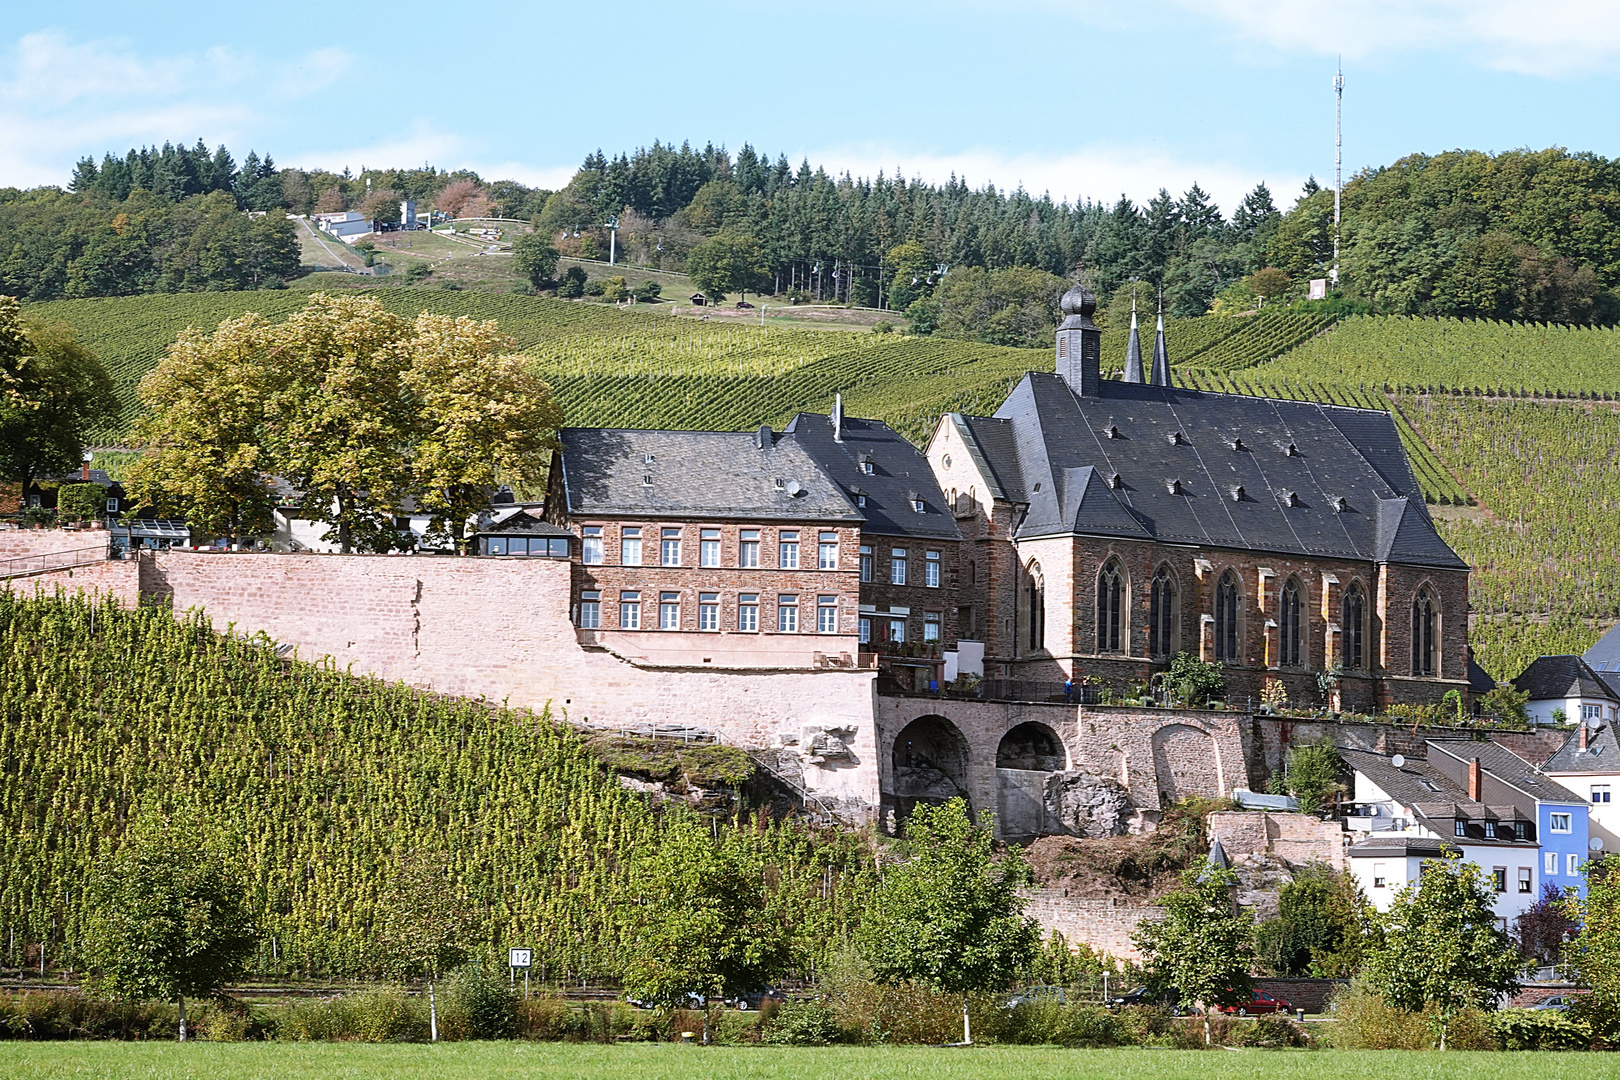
column 1289, row 449
column 1177, row 438
column 1340, row 504
column 1289, row 498
column 1174, row 486
column 917, row 503
column 1237, row 443
column 1117, row 482
column 1237, row 493
column 1113, row 431
column 648, row 460
column 867, row 466
column 646, row 480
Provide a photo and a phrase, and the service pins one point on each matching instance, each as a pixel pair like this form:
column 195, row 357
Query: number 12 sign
column 519, row 958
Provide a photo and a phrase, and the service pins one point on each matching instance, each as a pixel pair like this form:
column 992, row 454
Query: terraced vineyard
column 1211, row 344
column 1461, row 355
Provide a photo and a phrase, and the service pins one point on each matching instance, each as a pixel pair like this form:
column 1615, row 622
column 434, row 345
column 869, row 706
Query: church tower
column 1079, row 343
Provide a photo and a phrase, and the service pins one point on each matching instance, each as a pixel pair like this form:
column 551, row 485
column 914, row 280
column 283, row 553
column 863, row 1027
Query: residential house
column 1589, row 764
column 1502, row 777
column 1411, row 811
column 908, row 546
column 1565, row 689
column 708, row 548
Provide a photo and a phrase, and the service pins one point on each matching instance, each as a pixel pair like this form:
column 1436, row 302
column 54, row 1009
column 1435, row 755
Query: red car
column 1260, row 1002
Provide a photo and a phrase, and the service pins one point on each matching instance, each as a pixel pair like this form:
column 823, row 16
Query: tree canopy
column 52, row 391
column 1203, row 948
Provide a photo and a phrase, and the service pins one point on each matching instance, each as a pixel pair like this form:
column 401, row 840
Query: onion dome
column 1078, row 301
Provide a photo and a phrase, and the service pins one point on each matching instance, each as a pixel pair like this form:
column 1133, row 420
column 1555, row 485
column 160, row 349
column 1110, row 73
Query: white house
column 1566, row 686
column 1411, row 812
column 1589, row 764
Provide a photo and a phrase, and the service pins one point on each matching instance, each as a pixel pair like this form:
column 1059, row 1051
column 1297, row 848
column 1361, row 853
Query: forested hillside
column 332, row 784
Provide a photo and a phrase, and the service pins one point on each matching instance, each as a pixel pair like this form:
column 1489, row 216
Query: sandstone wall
column 499, row 629
column 1295, row 838
column 118, row 579
column 1104, row 924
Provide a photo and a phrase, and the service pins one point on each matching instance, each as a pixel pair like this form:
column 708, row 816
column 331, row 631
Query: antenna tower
column 1338, row 162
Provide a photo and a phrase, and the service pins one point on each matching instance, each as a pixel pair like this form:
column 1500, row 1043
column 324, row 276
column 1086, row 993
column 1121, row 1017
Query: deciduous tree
column 730, row 262
column 1441, row 946
column 535, row 257
column 52, row 392
column 169, row 919
column 1204, row 946
column 1593, row 953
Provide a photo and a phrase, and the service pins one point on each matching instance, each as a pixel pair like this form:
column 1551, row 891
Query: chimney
column 1582, row 749
column 84, row 471
column 838, row 418
column 765, row 440
column 1079, row 343
column 1473, row 780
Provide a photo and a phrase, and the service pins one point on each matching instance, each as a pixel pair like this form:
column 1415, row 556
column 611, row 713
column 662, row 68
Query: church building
column 1110, row 524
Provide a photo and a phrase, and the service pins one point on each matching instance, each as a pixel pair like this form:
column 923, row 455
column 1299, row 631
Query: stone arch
column 930, row 762
column 1032, row 746
column 1187, row 762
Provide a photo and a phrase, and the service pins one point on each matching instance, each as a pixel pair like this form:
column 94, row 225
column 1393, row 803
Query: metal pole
column 1338, row 162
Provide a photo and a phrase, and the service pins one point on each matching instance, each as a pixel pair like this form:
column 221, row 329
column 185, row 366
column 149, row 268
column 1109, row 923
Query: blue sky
column 1082, row 99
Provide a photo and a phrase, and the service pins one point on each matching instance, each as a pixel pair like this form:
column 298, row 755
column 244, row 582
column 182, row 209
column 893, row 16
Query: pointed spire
column 1133, row 349
column 1161, row 356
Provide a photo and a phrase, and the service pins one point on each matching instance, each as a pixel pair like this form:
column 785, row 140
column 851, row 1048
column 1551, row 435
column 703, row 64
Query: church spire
column 1133, row 349
column 1161, row 355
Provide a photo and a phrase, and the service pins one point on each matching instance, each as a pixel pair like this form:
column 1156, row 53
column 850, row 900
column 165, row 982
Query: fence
column 24, row 565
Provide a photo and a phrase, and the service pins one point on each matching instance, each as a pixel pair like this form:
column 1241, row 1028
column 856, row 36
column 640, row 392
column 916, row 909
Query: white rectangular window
column 787, row 614
column 1379, row 880
column 1562, row 823
column 931, row 569
column 1549, row 864
column 708, row 611
column 866, row 630
column 1600, row 793
column 826, row 614
column 630, row 546
column 866, row 562
column 669, row 548
column 827, row 551
column 748, row 549
column 590, row 551
column 1572, row 865
column 787, row 551
column 590, row 610
column 669, row 611
column 1524, row 879
column 897, row 566
column 630, row 611
column 1591, row 712
column 897, row 631
column 931, row 622
column 709, row 547
column 748, row 612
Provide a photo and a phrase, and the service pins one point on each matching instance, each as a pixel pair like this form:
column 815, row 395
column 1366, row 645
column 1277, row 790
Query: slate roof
column 1180, row 465
column 900, row 472
column 720, row 475
column 523, row 523
column 1604, row 655
column 1432, row 795
column 1602, row 752
column 990, row 441
column 1397, row 846
column 1550, row 677
column 1507, row 767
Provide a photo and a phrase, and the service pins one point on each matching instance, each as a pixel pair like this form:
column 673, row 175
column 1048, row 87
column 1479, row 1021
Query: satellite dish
column 87, row 457
column 1398, row 761
column 795, row 488
column 1595, row 844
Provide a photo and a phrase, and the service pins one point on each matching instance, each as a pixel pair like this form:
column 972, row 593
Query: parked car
column 1556, row 1003
column 1032, row 995
column 743, row 305
column 1259, row 1002
column 1168, row 997
column 693, row 1001
column 753, row 999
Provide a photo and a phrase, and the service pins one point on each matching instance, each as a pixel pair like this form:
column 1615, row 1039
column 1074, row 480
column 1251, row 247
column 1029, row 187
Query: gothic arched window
column 1110, row 608
column 1161, row 615
column 1037, row 608
column 1425, row 623
column 1352, row 623
column 1226, row 618
column 1290, row 630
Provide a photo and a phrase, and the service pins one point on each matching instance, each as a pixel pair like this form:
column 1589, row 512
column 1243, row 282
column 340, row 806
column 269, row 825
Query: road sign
column 519, row 958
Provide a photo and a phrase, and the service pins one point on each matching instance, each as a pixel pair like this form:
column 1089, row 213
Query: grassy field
column 491, row 1061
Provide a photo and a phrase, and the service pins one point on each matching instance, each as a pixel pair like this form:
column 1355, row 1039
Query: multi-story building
column 1410, row 811
column 1589, row 765
column 1110, row 524
column 909, row 545
column 1565, row 689
column 707, row 549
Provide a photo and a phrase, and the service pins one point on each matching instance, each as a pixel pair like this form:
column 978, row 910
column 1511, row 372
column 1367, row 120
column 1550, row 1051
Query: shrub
column 1539, row 1029
column 81, row 502
column 549, row 1019
column 1273, row 1032
column 883, row 327
column 1075, row 1026
column 417, row 271
column 1366, row 1022
column 802, row 1023
column 614, row 288
column 476, row 1004
column 571, row 285
column 648, row 291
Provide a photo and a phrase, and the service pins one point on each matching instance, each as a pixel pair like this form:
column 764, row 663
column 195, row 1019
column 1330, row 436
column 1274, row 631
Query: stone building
column 1111, row 524
column 908, row 544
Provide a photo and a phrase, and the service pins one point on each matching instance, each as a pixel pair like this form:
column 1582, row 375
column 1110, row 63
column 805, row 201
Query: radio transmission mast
column 1338, row 162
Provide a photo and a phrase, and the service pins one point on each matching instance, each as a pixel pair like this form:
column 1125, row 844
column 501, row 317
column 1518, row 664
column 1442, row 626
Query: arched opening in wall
column 1034, row 746
column 930, row 761
column 1187, row 762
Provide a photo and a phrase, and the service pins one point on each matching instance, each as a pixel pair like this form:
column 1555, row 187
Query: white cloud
column 1552, row 38
column 62, row 98
column 1100, row 173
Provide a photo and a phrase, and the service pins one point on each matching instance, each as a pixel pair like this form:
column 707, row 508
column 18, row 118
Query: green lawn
column 350, row 1061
